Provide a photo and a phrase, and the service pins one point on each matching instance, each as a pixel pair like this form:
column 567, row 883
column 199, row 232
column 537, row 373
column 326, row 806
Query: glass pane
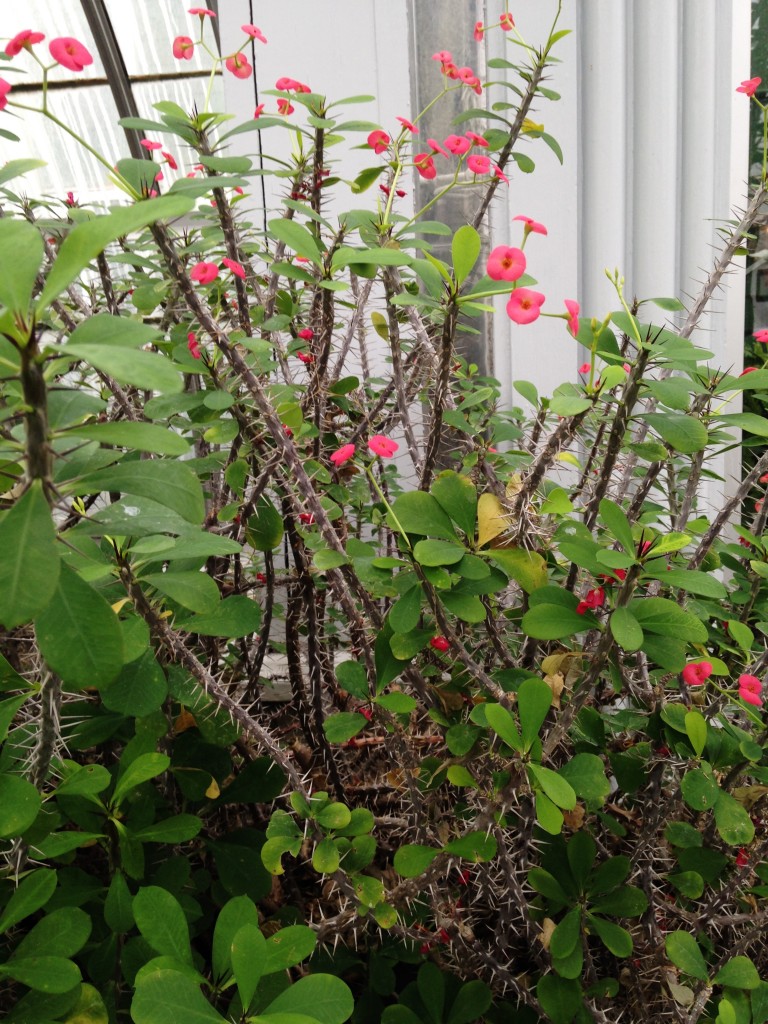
column 54, row 20
column 146, row 30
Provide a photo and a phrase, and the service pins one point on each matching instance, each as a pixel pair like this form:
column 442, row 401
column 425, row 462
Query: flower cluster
column 466, row 75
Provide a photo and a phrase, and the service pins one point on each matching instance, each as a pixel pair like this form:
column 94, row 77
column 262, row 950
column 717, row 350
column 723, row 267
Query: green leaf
column 342, row 726
column 683, row 433
column 63, row 932
column 534, row 699
column 325, row 859
column 699, row 787
column 193, row 590
column 457, row 496
column 188, row 545
column 166, row 481
column 553, row 622
column 142, row 769
column 289, row 947
column 141, row 437
column 118, row 906
column 169, row 997
column 430, row 983
column 51, row 974
column 477, row 847
column 688, row 883
column 412, row 860
column 626, row 901
column 733, row 821
column 420, row 513
column 32, row 893
column 683, row 950
column 139, row 689
column 234, row 915
column 161, row 921
column 234, row 617
column 528, row 568
column 472, row 1001
column 626, row 630
column 615, row 521
column 346, row 257
column 546, row 884
column 149, row 371
column 437, row 552
column 616, row 940
column 248, row 959
column 265, row 528
column 405, row 613
column 333, row 815
column 586, row 774
column 554, row 786
column 328, row 997
column 85, row 241
column 696, row 729
column 560, row 998
column 79, row 635
column 690, row 580
column 296, row 237
column 503, row 724
column 21, row 253
column 177, row 829
column 15, row 168
column 29, row 567
column 465, row 250
column 659, row 615
column 466, row 607
column 739, row 972
column 566, row 935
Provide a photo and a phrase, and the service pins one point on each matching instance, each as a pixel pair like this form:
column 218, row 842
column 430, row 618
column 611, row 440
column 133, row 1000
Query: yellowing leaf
column 186, row 720
column 491, row 519
column 547, row 927
column 555, row 682
column 531, row 126
column 213, row 790
column 119, row 604
column 380, row 325
column 570, row 458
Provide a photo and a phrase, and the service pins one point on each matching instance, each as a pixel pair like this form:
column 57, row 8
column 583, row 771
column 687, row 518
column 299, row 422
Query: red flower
column 749, row 87
column 236, row 268
column 148, row 144
column 507, row 22
column 171, row 161
column 742, row 858
column 761, row 336
column 204, row 272
column 585, row 368
column 505, row 263
column 285, row 107
column 5, row 88
column 696, row 673
column 439, row 643
column 238, row 65
column 748, row 369
column 306, row 333
column 498, row 173
column 408, row 124
column 458, row 144
column 621, row 574
column 478, row 31
column 254, row 33
column 750, row 689
column 573, row 316
column 259, row 110
column 531, row 225
column 305, row 357
column 193, row 346
column 582, row 608
column 425, row 165
column 183, row 48
column 70, row 53
column 524, row 305
column 23, row 40
column 307, row 518
column 378, row 141
column 203, row 12
column 478, row 163
column 342, row 455
column 477, row 140
column 260, row 577
column 595, row 598
column 383, row 446
column 437, row 148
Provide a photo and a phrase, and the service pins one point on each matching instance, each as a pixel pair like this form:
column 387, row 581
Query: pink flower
column 203, row 12
column 585, row 368
column 259, row 110
column 531, row 225
column 306, row 333
column 749, row 87
column 159, row 176
column 458, row 144
column 238, row 65
column 479, row 31
column 505, row 263
column 437, row 148
column 342, row 455
column 171, row 161
column 748, row 369
column 148, row 144
column 305, row 357
column 70, row 53
column 23, row 40
column 761, row 336
column 254, row 33
column 439, row 643
column 236, row 268
column 444, row 56
column 573, row 316
column 498, row 173
column 751, row 698
column 750, row 683
column 183, row 48
column 524, row 305
column 383, row 446
column 408, row 124
column 696, row 673
column 477, row 140
column 764, row 478
column 5, row 88
column 468, row 77
column 378, row 141
column 204, row 272
column 506, row 22
column 285, row 107
column 193, row 346
column 478, row 163
column 425, row 165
